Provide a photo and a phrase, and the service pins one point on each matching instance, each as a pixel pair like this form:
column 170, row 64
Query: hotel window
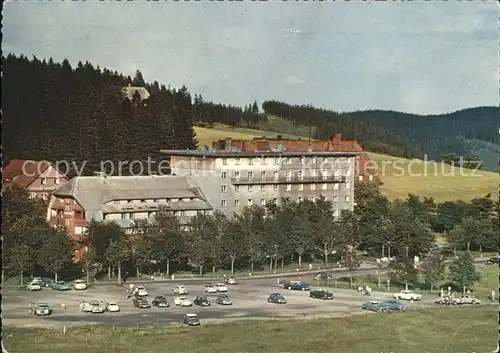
column 262, row 175
column 262, row 187
column 45, row 196
column 370, row 177
column 236, row 188
column 300, row 175
column 347, row 198
column 262, row 202
column 335, row 186
column 250, row 175
column 56, row 180
column 288, row 160
column 223, row 188
column 288, row 187
column 313, row 173
column 299, row 199
column 335, row 199
column 313, row 186
column 236, row 203
column 32, row 195
column 336, row 173
column 250, row 187
column 301, row 187
column 302, row 160
column 313, row 160
column 288, row 175
column 263, row 161
column 237, row 161
column 224, row 175
column 348, row 172
column 324, row 173
column 249, row 202
column 250, row 161
column 360, row 178
column 335, row 213
column 275, row 187
column 183, row 213
column 66, row 222
column 43, row 181
column 224, row 161
column 223, row 203
column 277, row 160
column 325, row 160
column 347, row 185
column 236, row 174
column 324, row 187
column 276, row 174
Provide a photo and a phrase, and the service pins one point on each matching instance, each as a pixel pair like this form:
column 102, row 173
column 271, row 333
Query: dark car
column 321, row 294
column 224, row 299
column 396, row 305
column 141, row 302
column 493, row 260
column 276, row 298
column 160, row 302
column 191, row 320
column 297, row 285
column 201, row 301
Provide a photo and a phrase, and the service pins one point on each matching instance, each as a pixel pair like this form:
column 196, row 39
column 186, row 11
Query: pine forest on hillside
column 55, row 112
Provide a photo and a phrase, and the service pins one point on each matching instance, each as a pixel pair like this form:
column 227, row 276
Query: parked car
column 201, row 301
column 297, row 285
column 393, row 304
column 113, row 307
column 34, row 286
column 465, row 299
column 276, row 298
column 230, row 280
column 183, row 301
column 191, row 320
column 221, row 288
column 94, row 307
column 60, row 286
column 375, row 305
column 321, row 294
column 223, row 299
column 445, row 300
column 79, row 285
column 42, row 309
column 141, row 302
column 141, row 291
column 160, row 302
column 180, row 290
column 322, row 276
column 210, row 288
column 46, row 282
column 407, row 295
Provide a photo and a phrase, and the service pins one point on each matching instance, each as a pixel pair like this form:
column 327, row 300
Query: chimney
column 228, row 144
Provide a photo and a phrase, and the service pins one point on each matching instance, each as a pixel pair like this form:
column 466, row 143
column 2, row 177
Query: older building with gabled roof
column 130, row 91
column 38, row 178
column 123, row 200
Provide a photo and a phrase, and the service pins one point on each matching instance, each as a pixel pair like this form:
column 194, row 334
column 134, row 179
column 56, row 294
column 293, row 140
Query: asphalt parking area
column 249, row 301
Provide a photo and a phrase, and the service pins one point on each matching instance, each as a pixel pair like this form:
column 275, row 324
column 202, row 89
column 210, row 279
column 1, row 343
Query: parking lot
column 249, row 302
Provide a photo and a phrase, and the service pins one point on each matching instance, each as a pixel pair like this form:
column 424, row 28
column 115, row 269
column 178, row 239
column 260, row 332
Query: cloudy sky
column 419, row 57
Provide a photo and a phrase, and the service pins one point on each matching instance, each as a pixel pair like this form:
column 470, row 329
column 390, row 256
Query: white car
column 180, row 290
column 183, row 301
column 113, row 307
column 466, row 299
column 34, row 286
column 141, row 291
column 79, row 285
column 407, row 295
column 231, row 280
column 221, row 287
column 210, row 288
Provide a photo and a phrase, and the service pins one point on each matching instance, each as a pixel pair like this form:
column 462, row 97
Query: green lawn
column 465, row 329
column 400, row 176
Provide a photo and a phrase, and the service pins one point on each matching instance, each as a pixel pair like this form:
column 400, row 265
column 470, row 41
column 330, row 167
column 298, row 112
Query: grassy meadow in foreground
column 400, row 176
column 461, row 329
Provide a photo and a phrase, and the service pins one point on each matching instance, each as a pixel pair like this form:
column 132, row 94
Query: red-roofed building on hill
column 38, row 178
column 365, row 169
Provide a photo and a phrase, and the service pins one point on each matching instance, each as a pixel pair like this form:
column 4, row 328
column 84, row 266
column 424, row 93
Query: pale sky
column 417, row 57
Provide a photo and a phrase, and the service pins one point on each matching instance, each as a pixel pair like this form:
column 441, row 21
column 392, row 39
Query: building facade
column 38, row 178
column 255, row 178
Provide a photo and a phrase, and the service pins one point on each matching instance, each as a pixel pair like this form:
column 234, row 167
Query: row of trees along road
column 276, row 234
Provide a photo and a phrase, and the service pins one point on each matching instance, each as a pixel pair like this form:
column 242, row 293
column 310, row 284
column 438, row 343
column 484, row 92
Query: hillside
column 400, row 176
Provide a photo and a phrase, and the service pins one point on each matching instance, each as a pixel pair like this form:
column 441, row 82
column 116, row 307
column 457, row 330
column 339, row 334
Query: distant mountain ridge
column 397, row 133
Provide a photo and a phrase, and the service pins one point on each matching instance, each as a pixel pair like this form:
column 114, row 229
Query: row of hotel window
column 288, row 160
column 288, row 187
column 263, row 202
column 289, row 174
column 43, row 181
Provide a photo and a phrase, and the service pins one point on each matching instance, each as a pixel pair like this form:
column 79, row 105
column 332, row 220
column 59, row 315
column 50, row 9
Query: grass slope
column 463, row 329
column 400, row 176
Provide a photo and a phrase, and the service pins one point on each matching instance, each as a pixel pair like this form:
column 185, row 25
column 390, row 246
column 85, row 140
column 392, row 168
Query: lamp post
column 407, row 260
